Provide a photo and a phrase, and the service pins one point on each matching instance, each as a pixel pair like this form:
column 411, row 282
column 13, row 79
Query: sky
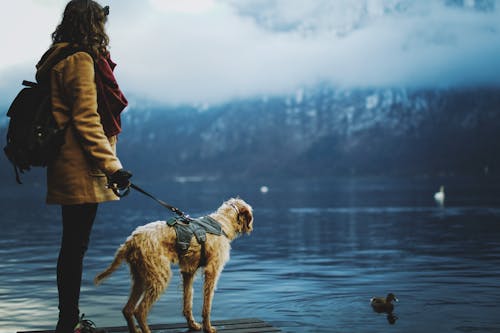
column 212, row 51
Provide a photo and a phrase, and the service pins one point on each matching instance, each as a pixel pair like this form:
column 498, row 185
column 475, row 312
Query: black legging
column 77, row 225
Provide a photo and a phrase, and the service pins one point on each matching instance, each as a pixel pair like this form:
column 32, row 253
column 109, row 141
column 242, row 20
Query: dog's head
column 244, row 215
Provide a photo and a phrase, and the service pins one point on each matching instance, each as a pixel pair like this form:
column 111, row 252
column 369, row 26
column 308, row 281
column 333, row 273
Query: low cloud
column 215, row 50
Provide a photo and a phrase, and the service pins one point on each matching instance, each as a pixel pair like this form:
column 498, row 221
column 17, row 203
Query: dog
column 150, row 250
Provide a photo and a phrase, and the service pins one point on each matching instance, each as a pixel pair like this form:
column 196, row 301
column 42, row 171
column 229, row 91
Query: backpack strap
column 16, row 170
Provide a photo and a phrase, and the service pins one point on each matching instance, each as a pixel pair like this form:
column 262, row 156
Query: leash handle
column 161, row 202
column 119, row 193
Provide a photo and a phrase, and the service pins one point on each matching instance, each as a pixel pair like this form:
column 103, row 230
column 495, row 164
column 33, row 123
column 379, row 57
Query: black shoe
column 87, row 326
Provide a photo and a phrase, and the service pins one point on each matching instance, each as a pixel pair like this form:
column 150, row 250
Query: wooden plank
column 244, row 325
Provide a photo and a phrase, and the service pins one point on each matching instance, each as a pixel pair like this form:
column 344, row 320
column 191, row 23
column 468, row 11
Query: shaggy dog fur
column 151, row 249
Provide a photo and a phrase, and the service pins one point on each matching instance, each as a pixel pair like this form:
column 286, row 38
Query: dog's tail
column 120, row 255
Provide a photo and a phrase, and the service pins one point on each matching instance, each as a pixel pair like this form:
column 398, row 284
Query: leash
column 138, row 189
column 185, row 219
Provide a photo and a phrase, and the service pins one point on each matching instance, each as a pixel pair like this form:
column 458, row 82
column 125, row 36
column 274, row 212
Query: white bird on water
column 439, row 196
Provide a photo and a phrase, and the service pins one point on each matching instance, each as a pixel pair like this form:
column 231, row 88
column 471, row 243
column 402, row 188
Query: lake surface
column 319, row 251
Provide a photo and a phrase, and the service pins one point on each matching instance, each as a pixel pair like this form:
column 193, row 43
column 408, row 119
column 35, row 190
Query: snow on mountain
column 321, row 132
column 316, row 132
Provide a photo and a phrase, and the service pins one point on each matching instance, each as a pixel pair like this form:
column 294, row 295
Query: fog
column 210, row 51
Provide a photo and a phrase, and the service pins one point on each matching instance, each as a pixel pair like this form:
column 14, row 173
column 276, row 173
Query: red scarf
column 110, row 99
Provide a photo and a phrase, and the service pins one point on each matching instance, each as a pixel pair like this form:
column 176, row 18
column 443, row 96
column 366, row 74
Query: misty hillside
column 321, row 132
column 315, row 133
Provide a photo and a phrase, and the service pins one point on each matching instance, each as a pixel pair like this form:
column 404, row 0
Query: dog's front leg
column 187, row 281
column 211, row 276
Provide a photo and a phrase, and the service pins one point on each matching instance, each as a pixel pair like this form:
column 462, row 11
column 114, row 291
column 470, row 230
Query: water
column 319, row 251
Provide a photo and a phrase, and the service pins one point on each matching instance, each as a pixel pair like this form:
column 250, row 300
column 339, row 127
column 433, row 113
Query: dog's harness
column 185, row 227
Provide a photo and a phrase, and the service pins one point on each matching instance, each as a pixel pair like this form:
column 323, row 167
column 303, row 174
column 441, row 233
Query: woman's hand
column 120, row 178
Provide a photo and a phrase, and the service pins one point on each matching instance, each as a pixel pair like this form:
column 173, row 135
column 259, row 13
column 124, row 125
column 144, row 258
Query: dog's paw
column 194, row 326
column 210, row 329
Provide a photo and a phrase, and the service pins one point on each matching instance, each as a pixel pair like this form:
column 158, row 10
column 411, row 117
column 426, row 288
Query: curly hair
column 83, row 24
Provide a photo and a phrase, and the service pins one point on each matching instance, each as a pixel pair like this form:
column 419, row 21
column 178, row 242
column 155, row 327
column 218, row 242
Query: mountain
column 321, row 132
column 317, row 132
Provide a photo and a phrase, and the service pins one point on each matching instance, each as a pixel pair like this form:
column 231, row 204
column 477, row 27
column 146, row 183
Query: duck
column 381, row 304
column 439, row 196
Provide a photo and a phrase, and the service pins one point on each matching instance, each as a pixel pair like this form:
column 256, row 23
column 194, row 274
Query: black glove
column 120, row 178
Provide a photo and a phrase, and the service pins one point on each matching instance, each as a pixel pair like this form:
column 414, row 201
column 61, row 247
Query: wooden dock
column 246, row 325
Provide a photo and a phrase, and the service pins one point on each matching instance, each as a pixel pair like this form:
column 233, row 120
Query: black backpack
column 33, row 137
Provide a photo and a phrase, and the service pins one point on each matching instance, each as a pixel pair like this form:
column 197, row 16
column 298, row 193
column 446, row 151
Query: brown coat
column 78, row 175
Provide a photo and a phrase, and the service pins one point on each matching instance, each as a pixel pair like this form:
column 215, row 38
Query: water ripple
column 304, row 268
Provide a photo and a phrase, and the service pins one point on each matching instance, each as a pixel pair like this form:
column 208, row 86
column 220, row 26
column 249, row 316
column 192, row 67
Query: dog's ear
column 245, row 217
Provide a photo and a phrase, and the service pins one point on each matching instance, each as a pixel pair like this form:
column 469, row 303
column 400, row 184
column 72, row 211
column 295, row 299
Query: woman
column 87, row 101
